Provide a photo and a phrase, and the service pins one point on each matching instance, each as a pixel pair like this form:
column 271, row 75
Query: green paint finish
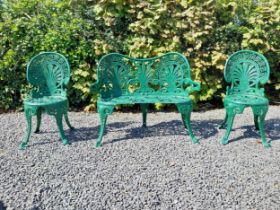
column 49, row 74
column 162, row 79
column 246, row 70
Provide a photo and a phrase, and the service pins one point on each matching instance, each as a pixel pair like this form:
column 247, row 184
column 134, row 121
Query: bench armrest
column 94, row 87
column 194, row 86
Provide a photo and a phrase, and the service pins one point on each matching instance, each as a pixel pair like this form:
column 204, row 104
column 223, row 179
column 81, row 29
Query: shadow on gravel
column 202, row 130
column 91, row 133
column 2, row 206
column 271, row 128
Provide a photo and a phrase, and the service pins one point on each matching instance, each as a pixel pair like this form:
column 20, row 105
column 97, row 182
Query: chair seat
column 165, row 99
column 45, row 101
column 246, row 99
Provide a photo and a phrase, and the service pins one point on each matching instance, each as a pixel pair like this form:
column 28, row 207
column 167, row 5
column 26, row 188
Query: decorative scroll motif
column 173, row 69
column 49, row 73
column 113, row 75
column 245, row 70
column 143, row 76
column 120, row 75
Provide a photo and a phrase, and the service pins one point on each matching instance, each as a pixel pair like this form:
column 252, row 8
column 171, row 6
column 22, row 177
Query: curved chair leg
column 229, row 127
column 185, row 110
column 223, row 124
column 261, row 111
column 67, row 120
column 231, row 111
column 58, row 118
column 144, row 109
column 39, row 117
column 28, row 117
column 103, row 111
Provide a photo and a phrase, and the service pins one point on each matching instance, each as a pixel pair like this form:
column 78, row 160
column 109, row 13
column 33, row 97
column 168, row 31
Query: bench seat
column 147, row 100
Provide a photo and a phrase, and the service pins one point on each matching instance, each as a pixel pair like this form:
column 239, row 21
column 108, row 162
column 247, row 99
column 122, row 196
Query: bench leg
column 39, row 117
column 185, row 110
column 260, row 113
column 103, row 111
column 144, row 109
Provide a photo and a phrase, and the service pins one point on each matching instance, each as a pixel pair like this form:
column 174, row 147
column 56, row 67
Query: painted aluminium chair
column 246, row 70
column 162, row 79
column 49, row 74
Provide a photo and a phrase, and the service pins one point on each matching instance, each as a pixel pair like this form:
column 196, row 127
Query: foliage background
column 206, row 32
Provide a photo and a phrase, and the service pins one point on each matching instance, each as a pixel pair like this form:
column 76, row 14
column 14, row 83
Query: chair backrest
column 49, row 73
column 246, row 70
column 122, row 75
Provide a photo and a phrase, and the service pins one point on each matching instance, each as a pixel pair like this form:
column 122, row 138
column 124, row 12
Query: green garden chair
column 49, row 74
column 164, row 79
column 246, row 70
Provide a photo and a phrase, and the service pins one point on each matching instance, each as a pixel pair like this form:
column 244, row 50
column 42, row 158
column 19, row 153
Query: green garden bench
column 49, row 74
column 164, row 79
column 245, row 71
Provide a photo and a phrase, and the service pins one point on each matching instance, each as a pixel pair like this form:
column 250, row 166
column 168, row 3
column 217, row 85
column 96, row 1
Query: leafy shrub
column 206, row 32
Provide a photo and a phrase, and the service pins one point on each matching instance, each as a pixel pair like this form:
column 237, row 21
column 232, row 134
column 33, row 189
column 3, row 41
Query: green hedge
column 206, row 32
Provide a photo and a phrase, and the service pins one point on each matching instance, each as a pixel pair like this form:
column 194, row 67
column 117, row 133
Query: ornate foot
column 104, row 111
column 144, row 109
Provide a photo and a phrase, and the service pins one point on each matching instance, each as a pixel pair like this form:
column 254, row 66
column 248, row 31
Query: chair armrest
column 94, row 88
column 194, row 86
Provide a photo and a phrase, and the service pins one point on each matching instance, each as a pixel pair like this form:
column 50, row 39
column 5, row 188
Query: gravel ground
column 141, row 168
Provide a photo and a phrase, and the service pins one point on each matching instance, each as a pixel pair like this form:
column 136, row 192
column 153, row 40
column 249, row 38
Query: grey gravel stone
column 141, row 168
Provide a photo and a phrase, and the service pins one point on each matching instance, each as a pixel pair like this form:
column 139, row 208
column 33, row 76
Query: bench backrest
column 48, row 73
column 246, row 70
column 121, row 75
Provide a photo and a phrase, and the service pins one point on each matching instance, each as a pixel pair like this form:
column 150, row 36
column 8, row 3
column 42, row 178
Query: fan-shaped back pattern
column 49, row 72
column 119, row 75
column 246, row 69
